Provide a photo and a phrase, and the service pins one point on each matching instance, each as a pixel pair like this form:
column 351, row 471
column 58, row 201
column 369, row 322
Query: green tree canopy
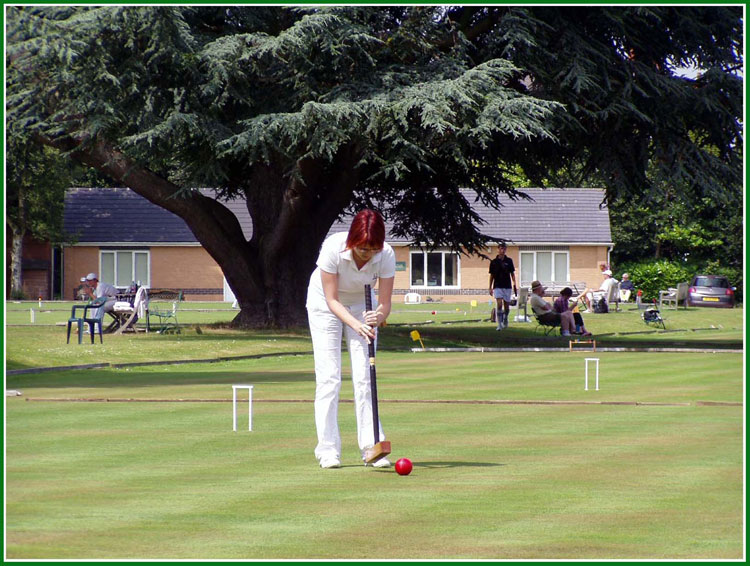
column 306, row 113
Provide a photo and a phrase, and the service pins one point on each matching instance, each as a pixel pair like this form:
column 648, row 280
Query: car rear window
column 711, row 282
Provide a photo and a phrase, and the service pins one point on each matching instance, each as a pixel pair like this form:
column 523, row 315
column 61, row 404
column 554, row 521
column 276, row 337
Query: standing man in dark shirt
column 502, row 272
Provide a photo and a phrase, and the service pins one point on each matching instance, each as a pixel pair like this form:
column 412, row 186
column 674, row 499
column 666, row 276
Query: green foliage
column 694, row 230
column 36, row 179
column 652, row 276
column 429, row 96
column 305, row 113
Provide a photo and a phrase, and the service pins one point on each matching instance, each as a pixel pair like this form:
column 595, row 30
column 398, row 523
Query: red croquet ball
column 433, row 312
column 403, row 466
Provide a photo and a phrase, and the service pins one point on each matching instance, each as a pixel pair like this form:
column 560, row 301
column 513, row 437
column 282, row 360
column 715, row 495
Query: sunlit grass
column 494, row 480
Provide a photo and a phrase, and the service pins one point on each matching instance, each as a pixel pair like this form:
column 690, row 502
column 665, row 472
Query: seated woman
column 544, row 311
column 562, row 304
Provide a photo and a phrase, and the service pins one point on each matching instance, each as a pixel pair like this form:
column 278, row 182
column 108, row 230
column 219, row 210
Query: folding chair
column 163, row 305
column 547, row 326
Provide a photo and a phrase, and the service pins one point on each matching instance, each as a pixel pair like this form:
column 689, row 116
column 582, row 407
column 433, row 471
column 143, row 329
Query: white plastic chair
column 412, row 299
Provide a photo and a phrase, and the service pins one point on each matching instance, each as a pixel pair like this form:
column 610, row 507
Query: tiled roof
column 565, row 216
column 122, row 216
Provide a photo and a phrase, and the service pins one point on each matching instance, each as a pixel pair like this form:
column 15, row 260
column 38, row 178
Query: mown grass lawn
column 206, row 334
column 512, row 458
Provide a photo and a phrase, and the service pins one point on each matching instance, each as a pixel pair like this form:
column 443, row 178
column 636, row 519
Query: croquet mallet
column 380, row 449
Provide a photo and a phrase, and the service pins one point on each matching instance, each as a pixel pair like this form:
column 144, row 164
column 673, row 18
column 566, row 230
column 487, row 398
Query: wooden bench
column 553, row 288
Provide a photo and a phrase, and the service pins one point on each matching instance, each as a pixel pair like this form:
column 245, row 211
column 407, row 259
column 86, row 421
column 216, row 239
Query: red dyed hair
column 367, row 229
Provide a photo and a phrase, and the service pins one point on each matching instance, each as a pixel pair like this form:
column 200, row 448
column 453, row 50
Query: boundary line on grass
column 400, row 401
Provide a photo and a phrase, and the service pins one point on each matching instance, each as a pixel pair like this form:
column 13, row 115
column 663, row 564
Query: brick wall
column 186, row 268
column 192, row 270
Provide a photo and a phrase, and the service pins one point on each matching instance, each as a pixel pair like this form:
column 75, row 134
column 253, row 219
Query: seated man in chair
column 626, row 287
column 95, row 289
column 543, row 310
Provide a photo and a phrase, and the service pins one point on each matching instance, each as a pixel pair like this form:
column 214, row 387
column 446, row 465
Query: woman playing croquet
column 335, row 304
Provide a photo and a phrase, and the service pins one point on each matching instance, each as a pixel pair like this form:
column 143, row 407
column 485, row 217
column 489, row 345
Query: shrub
column 653, row 276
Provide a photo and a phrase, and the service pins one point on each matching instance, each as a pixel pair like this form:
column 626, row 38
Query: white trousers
column 326, row 330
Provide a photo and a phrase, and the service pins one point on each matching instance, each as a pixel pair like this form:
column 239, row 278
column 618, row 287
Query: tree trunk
column 16, row 260
column 18, row 230
column 291, row 216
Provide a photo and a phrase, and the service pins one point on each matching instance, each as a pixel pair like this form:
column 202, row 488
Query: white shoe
column 330, row 462
column 382, row 463
column 565, row 333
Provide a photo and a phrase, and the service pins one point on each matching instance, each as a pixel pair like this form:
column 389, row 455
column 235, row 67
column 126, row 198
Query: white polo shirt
column 335, row 258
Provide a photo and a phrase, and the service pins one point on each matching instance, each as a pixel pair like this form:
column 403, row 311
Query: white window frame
column 534, row 252
column 414, row 253
column 133, row 251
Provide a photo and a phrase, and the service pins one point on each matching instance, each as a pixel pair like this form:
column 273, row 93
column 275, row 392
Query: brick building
column 561, row 235
column 36, row 267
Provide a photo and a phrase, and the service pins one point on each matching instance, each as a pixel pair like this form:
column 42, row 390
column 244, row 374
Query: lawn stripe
column 406, row 401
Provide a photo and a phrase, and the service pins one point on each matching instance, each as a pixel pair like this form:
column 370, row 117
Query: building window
column 123, row 267
column 434, row 269
column 541, row 265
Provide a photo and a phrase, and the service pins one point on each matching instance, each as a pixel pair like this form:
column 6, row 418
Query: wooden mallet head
column 380, row 450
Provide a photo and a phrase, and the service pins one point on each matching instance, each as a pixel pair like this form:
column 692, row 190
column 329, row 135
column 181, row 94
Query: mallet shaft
column 373, row 384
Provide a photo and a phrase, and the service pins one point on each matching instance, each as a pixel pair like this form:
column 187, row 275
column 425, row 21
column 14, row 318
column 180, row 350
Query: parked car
column 711, row 291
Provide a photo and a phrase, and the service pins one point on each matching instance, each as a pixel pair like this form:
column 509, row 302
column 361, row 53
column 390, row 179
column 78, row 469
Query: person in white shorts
column 336, row 305
column 502, row 272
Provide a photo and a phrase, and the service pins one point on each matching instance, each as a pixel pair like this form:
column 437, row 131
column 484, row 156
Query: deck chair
column 137, row 310
column 162, row 307
column 523, row 301
column 673, row 296
column 615, row 297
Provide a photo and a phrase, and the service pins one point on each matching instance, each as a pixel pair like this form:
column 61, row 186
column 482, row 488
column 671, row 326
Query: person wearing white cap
column 95, row 289
column 606, row 290
column 544, row 311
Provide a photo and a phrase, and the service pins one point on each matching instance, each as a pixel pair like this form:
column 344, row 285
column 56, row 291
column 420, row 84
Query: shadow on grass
column 92, row 378
column 456, row 464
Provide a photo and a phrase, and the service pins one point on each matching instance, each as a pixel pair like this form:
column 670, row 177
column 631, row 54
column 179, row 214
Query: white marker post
column 586, row 378
column 249, row 403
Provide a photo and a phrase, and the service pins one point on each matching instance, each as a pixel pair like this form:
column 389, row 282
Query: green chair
column 162, row 306
column 81, row 320
column 77, row 319
column 97, row 306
